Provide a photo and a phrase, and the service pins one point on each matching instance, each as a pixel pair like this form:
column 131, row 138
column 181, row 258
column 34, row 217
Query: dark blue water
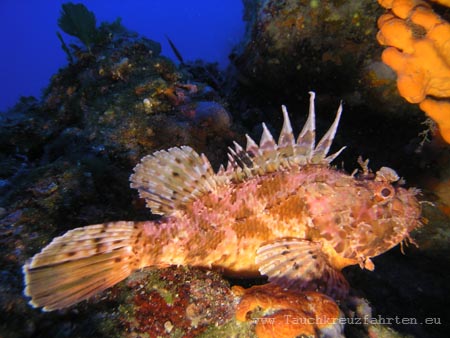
column 31, row 52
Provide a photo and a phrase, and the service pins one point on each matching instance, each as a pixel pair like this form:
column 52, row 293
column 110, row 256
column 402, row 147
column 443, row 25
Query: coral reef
column 286, row 43
column 312, row 44
column 420, row 55
column 65, row 158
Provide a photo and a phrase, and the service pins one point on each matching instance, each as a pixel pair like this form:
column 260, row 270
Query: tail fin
column 83, row 262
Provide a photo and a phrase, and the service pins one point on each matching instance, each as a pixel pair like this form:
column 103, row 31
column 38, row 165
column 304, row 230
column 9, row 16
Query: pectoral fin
column 300, row 264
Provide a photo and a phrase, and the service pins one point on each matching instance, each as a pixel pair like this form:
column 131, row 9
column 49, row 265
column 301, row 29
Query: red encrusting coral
column 183, row 301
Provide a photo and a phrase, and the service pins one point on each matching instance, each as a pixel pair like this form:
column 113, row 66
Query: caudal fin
column 81, row 263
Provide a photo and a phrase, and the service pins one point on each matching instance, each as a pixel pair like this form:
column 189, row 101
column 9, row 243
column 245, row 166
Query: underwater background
column 202, row 29
column 121, row 80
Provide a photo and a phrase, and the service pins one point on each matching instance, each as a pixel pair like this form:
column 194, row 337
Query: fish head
column 386, row 218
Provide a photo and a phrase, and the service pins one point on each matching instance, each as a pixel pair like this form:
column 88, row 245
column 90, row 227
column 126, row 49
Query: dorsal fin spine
column 325, row 142
column 331, row 157
column 307, row 137
column 237, row 147
column 267, row 141
column 286, row 136
column 251, row 147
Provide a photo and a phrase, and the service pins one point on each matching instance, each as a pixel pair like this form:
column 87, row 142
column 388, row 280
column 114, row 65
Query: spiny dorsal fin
column 168, row 179
column 270, row 156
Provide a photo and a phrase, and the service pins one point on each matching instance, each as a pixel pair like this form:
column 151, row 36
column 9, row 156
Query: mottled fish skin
column 278, row 209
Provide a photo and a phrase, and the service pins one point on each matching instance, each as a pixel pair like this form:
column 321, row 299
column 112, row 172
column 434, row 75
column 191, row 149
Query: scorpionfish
column 278, row 209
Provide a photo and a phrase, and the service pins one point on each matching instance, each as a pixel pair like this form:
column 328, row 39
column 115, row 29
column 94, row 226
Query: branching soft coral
column 419, row 53
column 78, row 21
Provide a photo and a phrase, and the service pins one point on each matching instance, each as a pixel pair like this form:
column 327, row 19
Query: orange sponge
column 288, row 314
column 443, row 2
column 419, row 53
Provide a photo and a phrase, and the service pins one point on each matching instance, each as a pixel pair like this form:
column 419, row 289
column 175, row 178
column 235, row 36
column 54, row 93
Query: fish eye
column 385, row 192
